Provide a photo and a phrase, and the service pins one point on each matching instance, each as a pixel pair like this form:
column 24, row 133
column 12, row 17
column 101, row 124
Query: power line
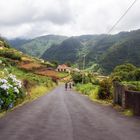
column 118, row 21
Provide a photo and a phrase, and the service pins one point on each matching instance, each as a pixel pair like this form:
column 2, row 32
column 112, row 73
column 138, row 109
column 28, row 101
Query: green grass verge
column 34, row 94
column 88, row 89
column 128, row 112
column 63, row 74
column 37, row 85
column 92, row 91
column 38, row 91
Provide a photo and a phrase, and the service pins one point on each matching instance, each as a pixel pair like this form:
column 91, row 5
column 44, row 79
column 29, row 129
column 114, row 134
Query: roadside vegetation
column 10, row 91
column 93, row 86
column 129, row 75
column 100, row 88
column 18, row 84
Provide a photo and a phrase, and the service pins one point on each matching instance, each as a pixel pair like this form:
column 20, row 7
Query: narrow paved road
column 66, row 115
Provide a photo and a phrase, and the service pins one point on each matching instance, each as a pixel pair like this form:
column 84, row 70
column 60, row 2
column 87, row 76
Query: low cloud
column 31, row 18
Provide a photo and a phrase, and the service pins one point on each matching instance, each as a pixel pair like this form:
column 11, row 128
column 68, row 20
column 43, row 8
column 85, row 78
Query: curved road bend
column 66, row 115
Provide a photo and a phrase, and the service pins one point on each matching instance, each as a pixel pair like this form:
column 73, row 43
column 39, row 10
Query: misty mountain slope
column 37, row 46
column 75, row 48
column 105, row 50
column 126, row 52
column 16, row 43
column 116, row 49
column 103, row 45
column 68, row 50
column 90, row 40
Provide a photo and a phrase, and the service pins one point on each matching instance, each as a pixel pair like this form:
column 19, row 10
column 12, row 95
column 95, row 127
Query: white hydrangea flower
column 13, row 77
column 5, row 86
column 15, row 81
column 19, row 84
column 16, row 90
column 3, row 81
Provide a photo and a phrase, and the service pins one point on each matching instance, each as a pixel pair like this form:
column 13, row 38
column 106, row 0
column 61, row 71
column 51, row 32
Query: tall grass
column 38, row 91
column 89, row 89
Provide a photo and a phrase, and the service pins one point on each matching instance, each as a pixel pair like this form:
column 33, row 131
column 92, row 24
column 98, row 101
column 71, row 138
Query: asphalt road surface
column 67, row 115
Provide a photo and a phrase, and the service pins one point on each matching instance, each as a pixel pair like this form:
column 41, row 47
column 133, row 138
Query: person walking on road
column 70, row 86
column 66, row 86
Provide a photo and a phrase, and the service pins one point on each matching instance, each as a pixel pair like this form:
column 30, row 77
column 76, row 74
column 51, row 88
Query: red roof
column 63, row 66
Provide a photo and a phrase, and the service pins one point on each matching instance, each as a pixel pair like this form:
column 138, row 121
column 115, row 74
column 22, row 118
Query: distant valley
column 37, row 46
column 102, row 52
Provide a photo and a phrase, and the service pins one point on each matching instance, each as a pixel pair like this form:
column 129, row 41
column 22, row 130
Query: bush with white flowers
column 10, row 91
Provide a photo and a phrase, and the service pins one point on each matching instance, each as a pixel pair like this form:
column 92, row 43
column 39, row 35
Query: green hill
column 125, row 52
column 37, row 46
column 116, row 49
column 67, row 51
column 18, row 42
column 20, row 78
column 104, row 51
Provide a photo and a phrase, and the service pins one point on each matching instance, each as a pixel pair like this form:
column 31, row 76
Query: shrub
column 4, row 43
column 10, row 54
column 105, row 87
column 77, row 77
column 137, row 74
column 83, row 77
column 132, row 85
column 10, row 91
column 86, row 79
column 126, row 72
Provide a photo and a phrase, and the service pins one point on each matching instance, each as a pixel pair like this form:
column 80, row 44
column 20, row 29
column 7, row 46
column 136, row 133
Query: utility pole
column 84, row 60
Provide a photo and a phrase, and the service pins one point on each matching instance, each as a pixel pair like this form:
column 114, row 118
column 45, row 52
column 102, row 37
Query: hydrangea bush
column 10, row 91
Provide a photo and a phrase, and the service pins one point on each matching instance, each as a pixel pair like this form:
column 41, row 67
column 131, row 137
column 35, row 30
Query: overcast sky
column 31, row 18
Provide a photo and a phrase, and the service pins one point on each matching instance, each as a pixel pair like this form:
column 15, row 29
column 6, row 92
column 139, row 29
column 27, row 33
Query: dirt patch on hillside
column 30, row 66
column 46, row 72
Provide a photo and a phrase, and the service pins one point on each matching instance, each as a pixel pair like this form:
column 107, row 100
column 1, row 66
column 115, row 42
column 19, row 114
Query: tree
column 77, row 77
column 137, row 74
column 125, row 72
column 125, row 68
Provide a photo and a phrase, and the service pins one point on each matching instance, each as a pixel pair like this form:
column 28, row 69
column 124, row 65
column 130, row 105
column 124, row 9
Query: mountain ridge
column 38, row 45
column 97, row 48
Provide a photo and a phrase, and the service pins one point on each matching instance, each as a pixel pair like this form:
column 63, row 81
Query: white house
column 63, row 68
